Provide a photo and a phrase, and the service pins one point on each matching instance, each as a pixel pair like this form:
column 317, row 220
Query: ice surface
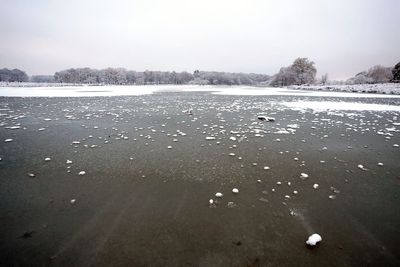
column 119, row 90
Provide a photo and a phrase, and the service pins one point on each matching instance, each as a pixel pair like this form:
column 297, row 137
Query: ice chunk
column 82, row 173
column 231, row 205
column 235, row 190
column 361, row 167
column 303, row 175
column 219, row 194
column 265, row 118
column 313, row 239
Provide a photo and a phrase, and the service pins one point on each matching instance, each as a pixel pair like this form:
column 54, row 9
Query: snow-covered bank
column 383, row 88
column 37, row 84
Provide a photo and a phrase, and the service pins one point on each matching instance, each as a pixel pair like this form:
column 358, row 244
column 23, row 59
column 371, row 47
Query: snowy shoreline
column 383, row 88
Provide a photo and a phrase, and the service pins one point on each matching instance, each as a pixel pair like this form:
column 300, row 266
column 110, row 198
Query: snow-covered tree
column 380, row 74
column 376, row 74
column 286, row 76
column 14, row 75
column 42, row 79
column 304, row 70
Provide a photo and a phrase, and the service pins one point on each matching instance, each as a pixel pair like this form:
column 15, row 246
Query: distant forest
column 302, row 71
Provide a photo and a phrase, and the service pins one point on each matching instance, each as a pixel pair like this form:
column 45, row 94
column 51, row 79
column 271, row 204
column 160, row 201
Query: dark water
column 143, row 204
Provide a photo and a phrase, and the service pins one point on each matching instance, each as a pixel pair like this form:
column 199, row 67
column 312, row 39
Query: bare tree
column 324, row 78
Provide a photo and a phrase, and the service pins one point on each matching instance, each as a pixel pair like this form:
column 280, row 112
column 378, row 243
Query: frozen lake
column 127, row 179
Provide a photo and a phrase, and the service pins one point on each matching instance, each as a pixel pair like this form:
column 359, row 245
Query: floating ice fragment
column 316, row 186
column 231, row 204
column 72, row 201
column 8, row 140
column 295, row 192
column 82, row 173
column 266, row 168
column 313, row 239
column 47, row 159
column 219, row 194
column 31, row 175
column 264, row 118
column 68, row 161
column 395, row 145
column 169, row 147
column 303, row 175
column 361, row 167
column 210, row 138
column 232, row 138
column 14, row 127
column 211, row 201
column 232, row 154
column 235, row 190
column 380, row 164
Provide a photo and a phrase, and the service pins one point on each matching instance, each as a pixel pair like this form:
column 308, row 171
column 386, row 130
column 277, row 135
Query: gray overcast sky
column 342, row 37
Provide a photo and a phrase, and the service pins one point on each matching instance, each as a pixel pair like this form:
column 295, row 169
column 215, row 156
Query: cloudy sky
column 342, row 37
